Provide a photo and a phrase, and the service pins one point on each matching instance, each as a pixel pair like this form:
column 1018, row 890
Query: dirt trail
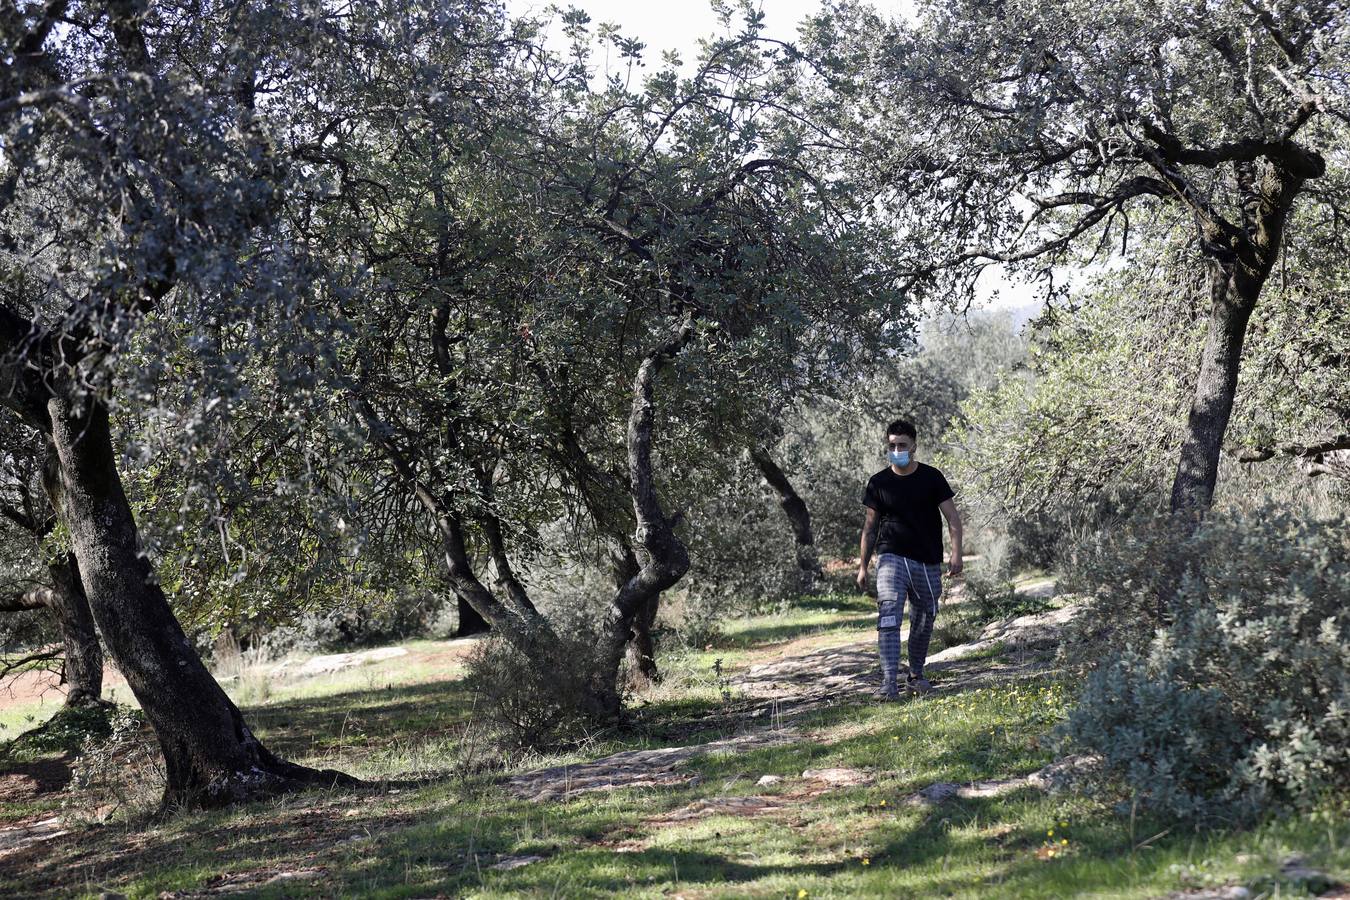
column 784, row 689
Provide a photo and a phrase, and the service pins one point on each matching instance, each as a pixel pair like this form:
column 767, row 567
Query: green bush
column 532, row 706
column 1242, row 702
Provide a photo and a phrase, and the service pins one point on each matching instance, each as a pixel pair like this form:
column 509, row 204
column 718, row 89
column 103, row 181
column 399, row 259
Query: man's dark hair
column 900, row 426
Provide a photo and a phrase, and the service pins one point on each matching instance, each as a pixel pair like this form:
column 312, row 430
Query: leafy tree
column 1039, row 135
column 135, row 171
column 553, row 275
column 1089, row 419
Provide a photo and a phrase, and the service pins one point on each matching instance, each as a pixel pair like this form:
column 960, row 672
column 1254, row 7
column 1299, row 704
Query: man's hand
column 955, row 567
column 862, row 579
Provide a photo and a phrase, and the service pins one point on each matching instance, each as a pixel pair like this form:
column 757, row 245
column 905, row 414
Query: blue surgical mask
column 898, row 458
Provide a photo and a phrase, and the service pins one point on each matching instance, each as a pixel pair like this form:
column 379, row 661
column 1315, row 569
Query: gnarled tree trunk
column 798, row 516
column 661, row 555
column 211, row 756
column 641, row 654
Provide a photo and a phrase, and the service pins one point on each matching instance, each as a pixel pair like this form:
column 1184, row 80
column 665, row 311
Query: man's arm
column 869, row 537
column 953, row 517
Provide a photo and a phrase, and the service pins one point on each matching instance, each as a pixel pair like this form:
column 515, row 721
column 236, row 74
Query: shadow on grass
column 774, row 634
column 352, row 718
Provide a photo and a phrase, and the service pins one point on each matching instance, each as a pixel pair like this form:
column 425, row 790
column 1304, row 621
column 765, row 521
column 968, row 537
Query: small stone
column 940, row 792
column 838, row 776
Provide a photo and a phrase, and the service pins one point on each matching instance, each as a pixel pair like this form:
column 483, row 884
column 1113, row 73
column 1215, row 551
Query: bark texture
column 211, row 756
column 1239, row 260
column 662, row 557
column 83, row 668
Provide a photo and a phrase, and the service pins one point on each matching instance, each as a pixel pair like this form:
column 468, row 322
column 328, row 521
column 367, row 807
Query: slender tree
column 55, row 589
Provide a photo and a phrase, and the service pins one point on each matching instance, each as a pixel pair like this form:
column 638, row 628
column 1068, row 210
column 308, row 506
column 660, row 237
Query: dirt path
column 785, row 689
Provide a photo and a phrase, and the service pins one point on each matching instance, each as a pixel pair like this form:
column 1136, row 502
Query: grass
column 411, row 838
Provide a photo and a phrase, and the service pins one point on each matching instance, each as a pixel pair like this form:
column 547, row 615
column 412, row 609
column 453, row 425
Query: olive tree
column 1037, row 135
column 554, row 311
column 136, row 171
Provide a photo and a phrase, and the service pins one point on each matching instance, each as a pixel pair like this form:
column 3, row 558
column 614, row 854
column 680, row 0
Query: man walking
column 902, row 524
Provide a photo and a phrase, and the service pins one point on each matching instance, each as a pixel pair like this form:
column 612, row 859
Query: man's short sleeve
column 871, row 496
column 944, row 490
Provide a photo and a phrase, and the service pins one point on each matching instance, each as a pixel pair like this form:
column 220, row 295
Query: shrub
column 1243, row 701
column 120, row 768
column 533, row 706
column 65, row 732
column 363, row 624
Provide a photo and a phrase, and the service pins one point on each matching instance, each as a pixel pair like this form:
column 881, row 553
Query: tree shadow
column 777, row 634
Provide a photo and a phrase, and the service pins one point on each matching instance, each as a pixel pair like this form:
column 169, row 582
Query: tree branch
column 1307, row 451
column 38, row 598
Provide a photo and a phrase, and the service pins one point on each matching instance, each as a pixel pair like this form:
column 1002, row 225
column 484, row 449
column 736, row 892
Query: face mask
column 899, row 458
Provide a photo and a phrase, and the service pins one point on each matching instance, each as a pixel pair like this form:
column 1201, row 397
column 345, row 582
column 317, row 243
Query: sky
column 679, row 24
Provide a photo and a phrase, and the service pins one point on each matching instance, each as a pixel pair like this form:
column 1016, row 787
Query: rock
column 1295, row 868
column 940, row 792
column 1051, row 778
column 768, row 780
column 1036, row 631
column 515, row 862
column 1062, row 774
column 838, row 777
column 1038, row 589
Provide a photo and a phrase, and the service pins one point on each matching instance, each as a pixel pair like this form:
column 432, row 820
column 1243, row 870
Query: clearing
column 760, row 767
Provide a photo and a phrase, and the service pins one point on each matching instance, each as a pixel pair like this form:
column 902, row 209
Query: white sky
column 679, row 24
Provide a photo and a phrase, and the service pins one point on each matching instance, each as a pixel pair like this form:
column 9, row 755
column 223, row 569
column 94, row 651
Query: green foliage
column 540, row 703
column 67, row 732
column 1240, row 702
column 357, row 623
column 120, row 766
column 741, row 550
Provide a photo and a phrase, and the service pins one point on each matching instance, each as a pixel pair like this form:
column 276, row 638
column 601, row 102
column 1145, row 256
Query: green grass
column 410, row 838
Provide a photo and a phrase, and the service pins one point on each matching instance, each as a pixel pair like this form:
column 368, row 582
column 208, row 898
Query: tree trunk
column 211, row 756
column 1234, row 298
column 662, row 557
column 470, row 621
column 1239, row 264
column 798, row 516
column 642, row 669
column 83, row 672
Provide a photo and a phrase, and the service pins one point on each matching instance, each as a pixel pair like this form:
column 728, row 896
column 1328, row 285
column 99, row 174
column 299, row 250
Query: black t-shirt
column 911, row 524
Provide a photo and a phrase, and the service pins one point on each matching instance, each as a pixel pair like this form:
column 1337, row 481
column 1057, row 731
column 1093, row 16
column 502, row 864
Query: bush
column 1243, row 701
column 533, row 706
column 364, row 624
column 65, row 732
column 123, row 767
